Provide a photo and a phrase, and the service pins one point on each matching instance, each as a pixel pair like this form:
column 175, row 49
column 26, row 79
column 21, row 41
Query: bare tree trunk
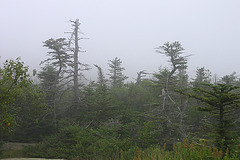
column 76, row 51
column 166, row 95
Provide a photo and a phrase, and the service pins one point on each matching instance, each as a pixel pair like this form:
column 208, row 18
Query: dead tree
column 74, row 40
column 140, row 74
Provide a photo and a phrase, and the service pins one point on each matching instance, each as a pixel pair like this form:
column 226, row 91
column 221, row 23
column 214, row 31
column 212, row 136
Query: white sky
column 127, row 29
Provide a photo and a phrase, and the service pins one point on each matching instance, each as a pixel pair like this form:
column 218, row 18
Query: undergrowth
column 181, row 151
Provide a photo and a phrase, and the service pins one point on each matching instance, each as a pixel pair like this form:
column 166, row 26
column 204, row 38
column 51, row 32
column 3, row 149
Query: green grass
column 12, row 154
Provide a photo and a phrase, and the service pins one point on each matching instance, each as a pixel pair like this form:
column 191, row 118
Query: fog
column 129, row 30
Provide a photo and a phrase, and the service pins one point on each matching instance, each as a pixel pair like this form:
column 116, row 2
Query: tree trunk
column 76, row 51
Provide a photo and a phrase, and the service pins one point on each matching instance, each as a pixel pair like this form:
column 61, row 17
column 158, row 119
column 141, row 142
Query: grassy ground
column 15, row 146
column 13, row 151
column 29, row 159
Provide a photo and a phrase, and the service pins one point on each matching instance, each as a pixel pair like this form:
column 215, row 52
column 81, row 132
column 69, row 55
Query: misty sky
column 127, row 29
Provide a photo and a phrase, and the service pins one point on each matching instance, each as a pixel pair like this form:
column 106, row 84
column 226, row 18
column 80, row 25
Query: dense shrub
column 76, row 142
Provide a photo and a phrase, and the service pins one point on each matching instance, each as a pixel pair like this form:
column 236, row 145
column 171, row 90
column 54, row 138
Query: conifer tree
column 116, row 76
column 178, row 62
column 202, row 76
column 96, row 101
column 230, row 79
column 56, row 66
column 58, row 56
column 222, row 103
column 102, row 97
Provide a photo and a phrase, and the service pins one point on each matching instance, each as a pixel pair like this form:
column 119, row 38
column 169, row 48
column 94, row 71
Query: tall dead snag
column 75, row 64
column 76, row 50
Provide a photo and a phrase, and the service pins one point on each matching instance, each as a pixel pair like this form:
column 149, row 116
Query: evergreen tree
column 48, row 78
column 102, row 82
column 197, row 121
column 202, row 76
column 116, row 76
column 96, row 101
column 58, row 54
column 30, row 112
column 49, row 81
column 102, row 99
column 222, row 103
column 52, row 73
column 178, row 62
column 230, row 79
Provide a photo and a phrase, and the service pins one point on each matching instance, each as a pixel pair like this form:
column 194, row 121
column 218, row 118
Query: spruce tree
column 52, row 73
column 178, row 63
column 116, row 76
column 222, row 102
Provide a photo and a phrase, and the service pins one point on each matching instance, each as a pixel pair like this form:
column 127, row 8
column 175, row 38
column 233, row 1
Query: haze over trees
column 112, row 118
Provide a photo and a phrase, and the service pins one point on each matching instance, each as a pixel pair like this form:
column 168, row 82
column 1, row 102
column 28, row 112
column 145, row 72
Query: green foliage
column 202, row 76
column 160, row 79
column 222, row 102
column 76, row 142
column 180, row 151
column 13, row 79
column 21, row 104
column 48, row 78
column 96, row 106
column 230, row 79
column 52, row 80
column 30, row 116
column 58, row 54
column 12, row 154
column 120, row 121
column 139, row 96
column 116, row 76
column 197, row 122
column 174, row 52
column 151, row 134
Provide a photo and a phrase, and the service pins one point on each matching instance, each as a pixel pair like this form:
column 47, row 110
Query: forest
column 164, row 115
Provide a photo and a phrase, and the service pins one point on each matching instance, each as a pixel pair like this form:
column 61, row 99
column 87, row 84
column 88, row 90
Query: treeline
column 111, row 119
